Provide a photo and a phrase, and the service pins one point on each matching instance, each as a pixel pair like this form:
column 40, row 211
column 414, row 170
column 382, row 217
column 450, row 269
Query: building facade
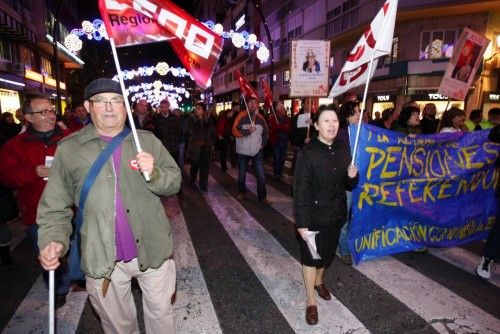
column 424, row 36
column 26, row 50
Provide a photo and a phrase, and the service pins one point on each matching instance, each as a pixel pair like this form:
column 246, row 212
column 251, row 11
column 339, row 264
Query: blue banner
column 431, row 190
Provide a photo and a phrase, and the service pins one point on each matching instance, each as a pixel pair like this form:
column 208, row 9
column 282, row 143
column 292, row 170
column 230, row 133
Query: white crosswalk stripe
column 267, row 258
column 194, row 312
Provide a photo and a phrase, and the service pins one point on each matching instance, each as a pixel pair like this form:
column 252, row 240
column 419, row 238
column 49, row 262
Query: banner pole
column 51, row 303
column 365, row 93
column 127, row 104
column 274, row 113
column 441, row 119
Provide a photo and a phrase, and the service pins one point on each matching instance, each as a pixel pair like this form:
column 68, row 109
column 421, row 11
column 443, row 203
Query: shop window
column 437, row 44
column 346, row 6
column 337, row 25
column 27, row 57
column 329, row 15
column 337, row 11
column 46, row 67
column 5, row 52
column 298, row 31
column 354, row 17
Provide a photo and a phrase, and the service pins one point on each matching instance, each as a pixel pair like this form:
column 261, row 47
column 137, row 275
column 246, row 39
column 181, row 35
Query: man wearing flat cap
column 125, row 232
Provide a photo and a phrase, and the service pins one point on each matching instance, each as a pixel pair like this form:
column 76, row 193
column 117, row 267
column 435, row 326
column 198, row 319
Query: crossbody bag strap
column 94, row 171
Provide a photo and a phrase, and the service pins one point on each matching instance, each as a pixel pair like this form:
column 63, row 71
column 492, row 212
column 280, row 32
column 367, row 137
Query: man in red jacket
column 25, row 165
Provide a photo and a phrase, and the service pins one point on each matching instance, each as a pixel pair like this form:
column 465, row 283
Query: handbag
column 75, row 272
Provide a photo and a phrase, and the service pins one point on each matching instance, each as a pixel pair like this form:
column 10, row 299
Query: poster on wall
column 309, row 68
column 467, row 56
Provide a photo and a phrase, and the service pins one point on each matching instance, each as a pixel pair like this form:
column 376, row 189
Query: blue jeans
column 279, row 156
column 344, row 232
column 61, row 275
column 258, row 166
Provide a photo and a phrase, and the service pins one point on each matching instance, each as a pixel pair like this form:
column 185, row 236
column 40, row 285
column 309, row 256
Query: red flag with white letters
column 376, row 42
column 134, row 22
column 245, row 86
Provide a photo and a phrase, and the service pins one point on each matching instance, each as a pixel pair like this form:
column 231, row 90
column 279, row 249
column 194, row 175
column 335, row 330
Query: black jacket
column 320, row 183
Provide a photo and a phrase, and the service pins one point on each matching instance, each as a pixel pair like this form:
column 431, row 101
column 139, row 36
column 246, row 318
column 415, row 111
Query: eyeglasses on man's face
column 114, row 103
column 45, row 112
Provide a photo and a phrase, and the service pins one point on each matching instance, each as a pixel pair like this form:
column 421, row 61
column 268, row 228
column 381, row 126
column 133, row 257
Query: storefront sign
column 383, row 98
column 494, row 97
column 437, row 97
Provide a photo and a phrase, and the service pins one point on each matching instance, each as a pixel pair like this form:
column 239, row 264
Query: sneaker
column 483, row 270
column 240, row 197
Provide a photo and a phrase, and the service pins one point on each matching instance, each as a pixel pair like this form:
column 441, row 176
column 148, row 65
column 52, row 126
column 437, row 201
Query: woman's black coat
column 320, row 183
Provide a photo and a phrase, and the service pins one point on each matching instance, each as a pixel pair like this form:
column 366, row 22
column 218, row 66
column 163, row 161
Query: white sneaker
column 483, row 270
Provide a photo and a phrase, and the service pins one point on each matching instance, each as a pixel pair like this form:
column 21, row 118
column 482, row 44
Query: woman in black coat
column 322, row 176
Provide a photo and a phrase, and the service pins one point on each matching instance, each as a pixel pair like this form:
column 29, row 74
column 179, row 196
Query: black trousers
column 201, row 166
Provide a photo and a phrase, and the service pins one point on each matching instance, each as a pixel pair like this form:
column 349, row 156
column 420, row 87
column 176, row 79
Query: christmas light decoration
column 241, row 40
column 92, row 30
column 162, row 68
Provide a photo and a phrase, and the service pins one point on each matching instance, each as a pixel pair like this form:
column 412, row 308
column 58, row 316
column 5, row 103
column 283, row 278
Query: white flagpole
column 127, row 104
column 51, row 303
column 364, row 106
column 274, row 113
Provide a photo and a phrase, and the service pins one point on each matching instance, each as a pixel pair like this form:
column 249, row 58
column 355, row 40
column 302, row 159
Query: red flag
column 133, row 22
column 268, row 94
column 245, row 86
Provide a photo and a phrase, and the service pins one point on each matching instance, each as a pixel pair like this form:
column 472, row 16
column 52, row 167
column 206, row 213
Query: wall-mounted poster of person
column 463, row 64
column 309, row 68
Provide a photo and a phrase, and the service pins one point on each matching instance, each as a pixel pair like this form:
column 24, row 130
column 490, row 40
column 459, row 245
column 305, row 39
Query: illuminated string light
column 162, row 68
column 92, row 30
column 241, row 40
column 157, row 91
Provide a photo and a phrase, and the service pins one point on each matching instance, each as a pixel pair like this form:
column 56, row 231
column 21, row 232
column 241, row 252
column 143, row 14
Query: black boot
column 5, row 255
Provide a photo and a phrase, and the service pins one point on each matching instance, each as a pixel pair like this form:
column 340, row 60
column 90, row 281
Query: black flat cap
column 102, row 85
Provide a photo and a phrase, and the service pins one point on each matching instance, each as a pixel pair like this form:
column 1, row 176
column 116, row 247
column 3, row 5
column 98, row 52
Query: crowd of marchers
column 51, row 162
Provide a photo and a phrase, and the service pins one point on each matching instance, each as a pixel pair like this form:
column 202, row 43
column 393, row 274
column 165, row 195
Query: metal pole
column 51, row 303
column 257, row 5
column 55, row 37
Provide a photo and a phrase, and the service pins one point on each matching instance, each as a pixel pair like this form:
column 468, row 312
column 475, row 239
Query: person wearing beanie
column 124, row 231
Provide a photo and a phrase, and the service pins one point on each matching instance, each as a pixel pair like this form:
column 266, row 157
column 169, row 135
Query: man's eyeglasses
column 45, row 112
column 114, row 103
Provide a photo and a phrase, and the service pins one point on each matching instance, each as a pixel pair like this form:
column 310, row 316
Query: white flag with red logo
column 376, row 42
